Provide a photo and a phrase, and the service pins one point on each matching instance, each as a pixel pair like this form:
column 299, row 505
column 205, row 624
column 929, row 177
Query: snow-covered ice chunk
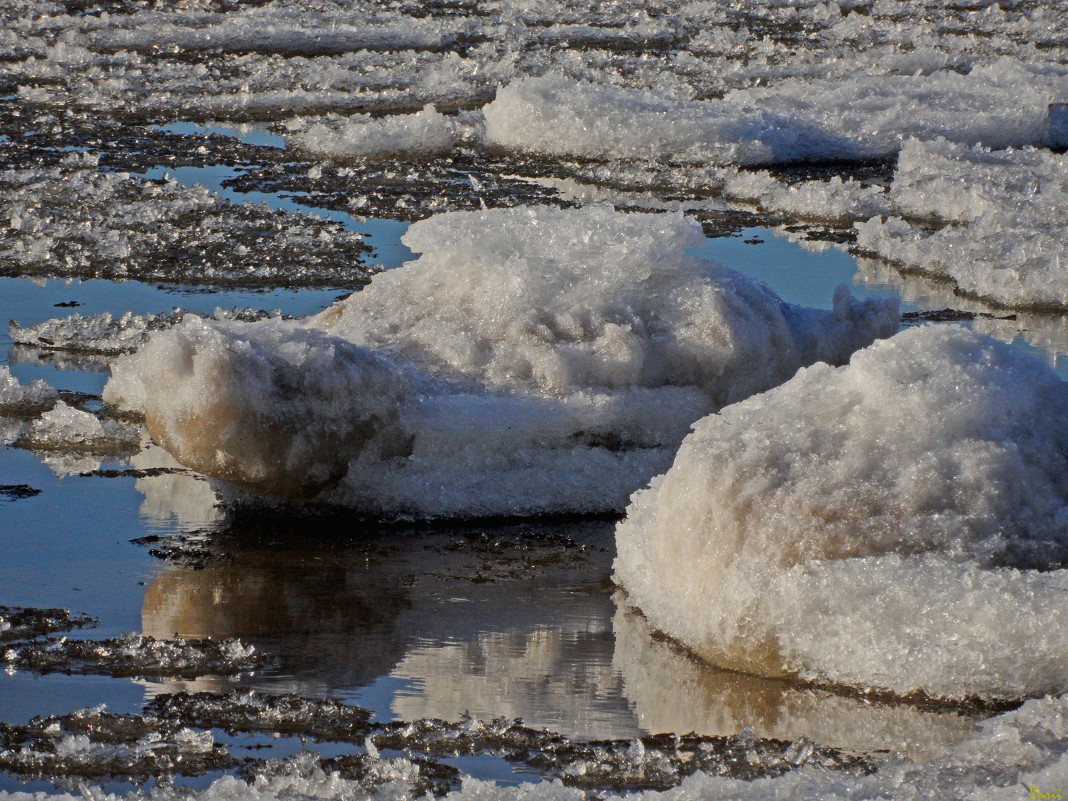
column 531, row 360
column 1002, row 104
column 65, row 428
column 427, row 131
column 1012, row 207
column 878, row 525
column 278, row 409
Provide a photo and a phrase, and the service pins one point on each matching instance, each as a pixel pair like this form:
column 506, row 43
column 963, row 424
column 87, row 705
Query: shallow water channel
column 512, row 619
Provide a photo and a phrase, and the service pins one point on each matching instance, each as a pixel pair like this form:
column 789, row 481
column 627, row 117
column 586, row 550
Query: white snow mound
column 878, row 525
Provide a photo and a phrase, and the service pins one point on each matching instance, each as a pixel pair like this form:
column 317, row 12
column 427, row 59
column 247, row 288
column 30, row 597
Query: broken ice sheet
column 136, row 655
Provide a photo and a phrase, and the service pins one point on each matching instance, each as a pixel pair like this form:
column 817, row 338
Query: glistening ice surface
column 201, row 207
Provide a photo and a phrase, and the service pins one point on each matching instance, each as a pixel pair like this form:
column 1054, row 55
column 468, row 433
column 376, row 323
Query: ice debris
column 27, row 623
column 900, row 523
column 136, row 655
column 1010, row 753
column 75, row 219
column 581, row 343
column 21, row 400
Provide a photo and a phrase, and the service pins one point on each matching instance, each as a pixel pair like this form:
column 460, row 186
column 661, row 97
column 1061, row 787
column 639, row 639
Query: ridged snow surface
column 877, row 525
column 531, row 360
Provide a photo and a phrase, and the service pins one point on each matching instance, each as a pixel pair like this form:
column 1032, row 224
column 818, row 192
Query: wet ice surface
column 368, row 119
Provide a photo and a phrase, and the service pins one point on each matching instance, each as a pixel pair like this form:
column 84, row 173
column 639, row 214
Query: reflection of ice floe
column 173, row 496
column 504, row 625
column 557, row 676
column 1012, row 207
column 580, row 343
column 863, row 525
column 671, row 691
column 1047, row 332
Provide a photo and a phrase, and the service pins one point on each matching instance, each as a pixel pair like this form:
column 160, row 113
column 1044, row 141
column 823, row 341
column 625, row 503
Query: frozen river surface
column 385, row 558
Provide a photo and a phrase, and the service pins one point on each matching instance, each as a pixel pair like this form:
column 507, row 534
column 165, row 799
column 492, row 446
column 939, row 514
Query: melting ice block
column 879, row 525
column 532, row 360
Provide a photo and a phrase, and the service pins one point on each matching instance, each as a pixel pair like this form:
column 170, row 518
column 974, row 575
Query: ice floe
column 580, row 343
column 107, row 335
column 879, row 525
column 65, row 428
column 1003, row 104
column 1009, row 211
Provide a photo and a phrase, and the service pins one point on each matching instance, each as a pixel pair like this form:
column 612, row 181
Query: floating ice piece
column 1002, row 104
column 874, row 525
column 1013, row 206
column 104, row 334
column 65, row 428
column 21, row 400
column 533, row 360
column 425, row 132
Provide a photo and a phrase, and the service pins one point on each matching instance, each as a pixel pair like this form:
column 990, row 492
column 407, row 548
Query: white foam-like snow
column 1002, row 104
column 875, row 525
column 1011, row 213
column 531, row 360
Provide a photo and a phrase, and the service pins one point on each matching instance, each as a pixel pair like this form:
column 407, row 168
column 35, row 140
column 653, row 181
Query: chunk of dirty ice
column 898, row 523
column 531, row 360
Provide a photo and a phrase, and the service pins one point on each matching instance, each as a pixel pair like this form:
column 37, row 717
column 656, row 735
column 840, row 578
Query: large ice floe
column 898, row 524
column 530, row 361
column 1003, row 104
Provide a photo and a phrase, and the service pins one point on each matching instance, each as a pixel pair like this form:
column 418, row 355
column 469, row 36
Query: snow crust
column 580, row 343
column 877, row 525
